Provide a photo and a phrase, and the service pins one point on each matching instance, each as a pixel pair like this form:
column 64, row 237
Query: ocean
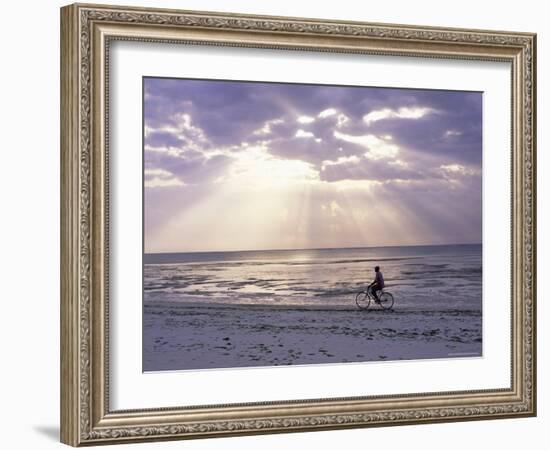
column 423, row 278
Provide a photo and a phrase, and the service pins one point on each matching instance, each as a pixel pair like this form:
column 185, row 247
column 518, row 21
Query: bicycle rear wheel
column 362, row 300
column 386, row 300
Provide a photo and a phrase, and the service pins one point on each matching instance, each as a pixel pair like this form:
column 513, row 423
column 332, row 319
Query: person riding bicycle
column 377, row 284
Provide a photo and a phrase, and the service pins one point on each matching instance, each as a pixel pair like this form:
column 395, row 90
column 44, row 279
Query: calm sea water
column 420, row 277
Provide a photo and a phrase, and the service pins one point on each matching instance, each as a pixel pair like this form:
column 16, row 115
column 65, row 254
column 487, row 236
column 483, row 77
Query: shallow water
column 420, row 277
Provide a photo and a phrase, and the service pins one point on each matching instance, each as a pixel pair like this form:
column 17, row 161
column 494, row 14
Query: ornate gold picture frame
column 87, row 33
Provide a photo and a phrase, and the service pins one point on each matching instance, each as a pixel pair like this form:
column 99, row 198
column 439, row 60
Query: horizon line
column 311, row 248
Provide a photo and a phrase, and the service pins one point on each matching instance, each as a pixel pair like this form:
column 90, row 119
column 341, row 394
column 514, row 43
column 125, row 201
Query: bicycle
column 363, row 299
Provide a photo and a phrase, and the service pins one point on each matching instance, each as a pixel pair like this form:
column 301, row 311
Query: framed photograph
column 276, row 224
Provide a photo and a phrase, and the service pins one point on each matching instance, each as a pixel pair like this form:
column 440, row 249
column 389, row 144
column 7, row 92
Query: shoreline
column 303, row 307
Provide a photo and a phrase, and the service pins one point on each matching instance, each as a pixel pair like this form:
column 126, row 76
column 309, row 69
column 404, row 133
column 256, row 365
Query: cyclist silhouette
column 377, row 284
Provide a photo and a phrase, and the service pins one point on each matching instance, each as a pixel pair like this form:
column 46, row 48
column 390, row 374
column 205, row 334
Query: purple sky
column 242, row 165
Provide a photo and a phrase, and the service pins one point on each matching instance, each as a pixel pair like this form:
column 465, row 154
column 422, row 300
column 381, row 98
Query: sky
column 232, row 166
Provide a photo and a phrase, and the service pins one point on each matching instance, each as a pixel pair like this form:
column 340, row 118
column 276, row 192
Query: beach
column 195, row 337
column 207, row 311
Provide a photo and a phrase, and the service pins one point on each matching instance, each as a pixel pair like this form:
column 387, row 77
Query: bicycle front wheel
column 386, row 300
column 362, row 300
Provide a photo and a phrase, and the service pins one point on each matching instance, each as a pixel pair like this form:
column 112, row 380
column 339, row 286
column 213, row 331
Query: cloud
column 257, row 168
column 401, row 113
column 341, row 160
column 162, row 182
column 198, row 129
column 458, row 169
column 154, row 178
column 188, row 166
column 355, row 168
column 305, row 119
column 266, row 128
column 163, row 139
column 304, row 134
column 327, row 113
column 376, row 147
column 181, row 133
column 342, row 120
column 458, row 112
column 198, row 169
column 230, row 113
column 334, row 117
column 452, row 133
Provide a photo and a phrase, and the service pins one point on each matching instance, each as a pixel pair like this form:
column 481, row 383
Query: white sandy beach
column 186, row 336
